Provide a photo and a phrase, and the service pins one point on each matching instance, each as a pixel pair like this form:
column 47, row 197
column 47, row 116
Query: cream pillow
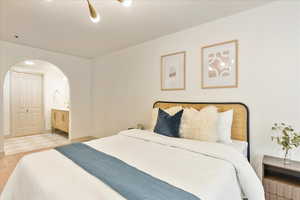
column 170, row 111
column 200, row 125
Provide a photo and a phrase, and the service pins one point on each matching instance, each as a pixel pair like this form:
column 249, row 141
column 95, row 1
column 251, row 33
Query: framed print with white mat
column 173, row 71
column 220, row 65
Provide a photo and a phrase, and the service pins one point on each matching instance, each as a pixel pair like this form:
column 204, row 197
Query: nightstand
column 138, row 126
column 281, row 182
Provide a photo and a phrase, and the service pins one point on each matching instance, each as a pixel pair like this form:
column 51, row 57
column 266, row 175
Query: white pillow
column 224, row 126
column 240, row 146
column 200, row 125
column 170, row 111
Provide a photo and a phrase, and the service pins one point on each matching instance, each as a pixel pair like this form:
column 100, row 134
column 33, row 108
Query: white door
column 26, row 103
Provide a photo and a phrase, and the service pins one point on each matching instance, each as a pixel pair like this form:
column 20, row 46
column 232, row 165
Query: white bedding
column 210, row 171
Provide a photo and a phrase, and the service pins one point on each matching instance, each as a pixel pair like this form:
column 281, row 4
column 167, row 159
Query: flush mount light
column 125, row 3
column 95, row 16
column 65, row 79
column 29, row 62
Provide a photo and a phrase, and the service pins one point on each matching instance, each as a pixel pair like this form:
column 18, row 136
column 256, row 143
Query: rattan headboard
column 240, row 124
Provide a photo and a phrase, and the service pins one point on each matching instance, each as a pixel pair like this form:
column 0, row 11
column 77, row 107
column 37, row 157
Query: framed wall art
column 173, row 71
column 220, row 65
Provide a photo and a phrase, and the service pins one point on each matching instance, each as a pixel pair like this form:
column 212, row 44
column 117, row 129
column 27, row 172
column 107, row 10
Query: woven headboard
column 240, row 124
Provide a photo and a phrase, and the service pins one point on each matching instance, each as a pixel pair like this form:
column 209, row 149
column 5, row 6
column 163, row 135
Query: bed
column 147, row 162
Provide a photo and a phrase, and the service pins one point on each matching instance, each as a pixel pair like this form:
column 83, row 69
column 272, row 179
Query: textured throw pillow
column 168, row 125
column 200, row 125
column 170, row 111
column 224, row 126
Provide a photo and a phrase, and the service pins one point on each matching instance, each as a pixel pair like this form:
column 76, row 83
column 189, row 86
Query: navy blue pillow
column 168, row 125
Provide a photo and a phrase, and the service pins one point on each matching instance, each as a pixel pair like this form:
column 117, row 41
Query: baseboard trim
column 47, row 131
column 84, row 139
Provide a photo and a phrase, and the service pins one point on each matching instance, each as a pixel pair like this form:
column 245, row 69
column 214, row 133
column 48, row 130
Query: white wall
column 127, row 83
column 78, row 71
column 55, row 87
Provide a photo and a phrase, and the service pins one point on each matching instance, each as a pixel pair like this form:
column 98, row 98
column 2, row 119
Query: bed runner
column 128, row 181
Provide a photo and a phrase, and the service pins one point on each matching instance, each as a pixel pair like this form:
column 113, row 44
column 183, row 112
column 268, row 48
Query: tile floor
column 34, row 142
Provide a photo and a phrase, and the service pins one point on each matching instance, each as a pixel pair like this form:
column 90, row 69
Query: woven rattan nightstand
column 281, row 182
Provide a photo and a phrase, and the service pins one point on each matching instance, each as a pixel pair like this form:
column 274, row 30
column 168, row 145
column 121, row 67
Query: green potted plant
column 287, row 138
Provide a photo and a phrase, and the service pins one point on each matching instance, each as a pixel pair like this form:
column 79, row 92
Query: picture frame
column 220, row 65
column 173, row 71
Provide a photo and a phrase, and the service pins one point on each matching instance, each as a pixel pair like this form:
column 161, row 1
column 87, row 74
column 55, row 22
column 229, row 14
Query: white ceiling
column 64, row 26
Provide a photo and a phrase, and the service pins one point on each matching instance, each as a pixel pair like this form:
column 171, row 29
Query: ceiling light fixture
column 125, row 3
column 94, row 15
column 28, row 62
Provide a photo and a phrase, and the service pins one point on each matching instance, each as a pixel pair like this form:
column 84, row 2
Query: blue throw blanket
column 128, row 181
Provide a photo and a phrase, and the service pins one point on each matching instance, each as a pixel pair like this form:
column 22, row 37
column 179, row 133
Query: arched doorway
column 36, row 103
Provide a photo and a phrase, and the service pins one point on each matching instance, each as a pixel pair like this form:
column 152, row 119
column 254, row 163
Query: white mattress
column 210, row 171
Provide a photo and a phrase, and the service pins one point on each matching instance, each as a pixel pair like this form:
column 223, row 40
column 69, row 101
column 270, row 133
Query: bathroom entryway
column 35, row 94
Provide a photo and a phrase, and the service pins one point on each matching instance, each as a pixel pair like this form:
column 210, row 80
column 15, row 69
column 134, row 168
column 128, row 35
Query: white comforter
column 208, row 170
